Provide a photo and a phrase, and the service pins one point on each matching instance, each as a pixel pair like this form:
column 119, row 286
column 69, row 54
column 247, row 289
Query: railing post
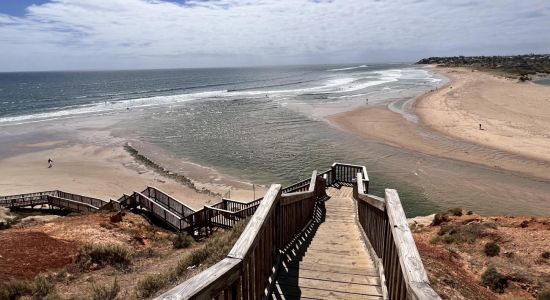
column 355, row 188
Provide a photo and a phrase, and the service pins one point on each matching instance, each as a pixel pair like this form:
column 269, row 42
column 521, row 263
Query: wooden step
column 330, row 276
column 293, row 292
column 335, row 286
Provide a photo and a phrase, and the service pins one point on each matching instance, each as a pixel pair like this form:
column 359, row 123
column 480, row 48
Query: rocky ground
column 453, row 248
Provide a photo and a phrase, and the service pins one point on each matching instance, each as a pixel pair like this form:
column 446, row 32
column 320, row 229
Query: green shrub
column 492, row 249
column 182, row 240
column 456, row 233
column 544, row 295
column 101, row 255
column 43, row 285
column 439, row 219
column 14, row 289
column 109, row 292
column 492, row 279
column 545, row 254
column 149, row 285
column 457, row 211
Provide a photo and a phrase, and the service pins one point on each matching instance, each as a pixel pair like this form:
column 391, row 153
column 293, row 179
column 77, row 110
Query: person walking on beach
column 50, row 163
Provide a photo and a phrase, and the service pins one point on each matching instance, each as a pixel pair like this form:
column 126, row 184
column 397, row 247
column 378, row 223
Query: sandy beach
column 89, row 161
column 514, row 118
column 429, row 163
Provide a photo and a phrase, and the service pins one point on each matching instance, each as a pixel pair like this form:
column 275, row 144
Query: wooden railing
column 151, row 205
column 69, row 204
column 384, row 223
column 97, row 203
column 168, row 201
column 56, row 198
column 28, row 199
column 234, row 205
column 245, row 272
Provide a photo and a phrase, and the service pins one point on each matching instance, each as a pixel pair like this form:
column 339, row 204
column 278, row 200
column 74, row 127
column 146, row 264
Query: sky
column 37, row 35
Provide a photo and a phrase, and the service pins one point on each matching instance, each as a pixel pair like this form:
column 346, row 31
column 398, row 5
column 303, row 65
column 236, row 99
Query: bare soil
column 27, row 254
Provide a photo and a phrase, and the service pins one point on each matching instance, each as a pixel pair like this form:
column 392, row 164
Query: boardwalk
column 306, row 232
column 332, row 262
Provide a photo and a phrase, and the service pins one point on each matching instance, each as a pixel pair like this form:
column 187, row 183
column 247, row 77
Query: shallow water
column 265, row 126
column 263, row 142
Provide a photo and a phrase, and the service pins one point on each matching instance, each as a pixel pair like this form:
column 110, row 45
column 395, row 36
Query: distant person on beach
column 50, row 163
column 367, row 100
column 479, row 126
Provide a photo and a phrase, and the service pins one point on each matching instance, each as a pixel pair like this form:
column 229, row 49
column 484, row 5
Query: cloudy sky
column 128, row 34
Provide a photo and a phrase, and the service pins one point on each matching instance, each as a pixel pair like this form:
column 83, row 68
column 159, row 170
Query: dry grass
column 210, row 252
column 42, row 287
column 181, row 241
column 109, row 292
column 93, row 256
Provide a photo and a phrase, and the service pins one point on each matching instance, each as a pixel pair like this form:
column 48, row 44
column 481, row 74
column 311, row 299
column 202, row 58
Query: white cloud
column 99, row 34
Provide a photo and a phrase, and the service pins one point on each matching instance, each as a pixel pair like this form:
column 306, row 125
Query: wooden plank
column 287, row 199
column 293, row 292
column 373, row 200
column 409, row 259
column 208, row 283
column 335, row 286
column 250, row 234
column 330, row 276
column 331, row 268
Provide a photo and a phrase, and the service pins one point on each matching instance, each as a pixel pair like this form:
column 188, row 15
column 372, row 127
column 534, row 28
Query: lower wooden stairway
column 331, row 260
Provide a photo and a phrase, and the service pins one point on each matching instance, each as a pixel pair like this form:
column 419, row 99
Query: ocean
column 260, row 124
column 33, row 96
column 264, row 125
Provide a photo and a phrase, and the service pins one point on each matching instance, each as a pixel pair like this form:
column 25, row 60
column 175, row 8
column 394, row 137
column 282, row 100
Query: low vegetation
column 109, row 292
column 517, row 65
column 492, row 279
column 181, row 241
column 208, row 253
column 41, row 288
column 6, row 218
column 545, row 254
column 92, row 256
column 544, row 295
column 492, row 249
column 457, row 211
column 457, row 233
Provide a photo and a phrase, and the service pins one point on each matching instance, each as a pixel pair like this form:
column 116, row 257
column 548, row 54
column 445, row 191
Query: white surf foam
column 350, row 68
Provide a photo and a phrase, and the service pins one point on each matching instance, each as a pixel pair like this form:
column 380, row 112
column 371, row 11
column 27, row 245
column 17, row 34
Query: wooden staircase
column 331, row 260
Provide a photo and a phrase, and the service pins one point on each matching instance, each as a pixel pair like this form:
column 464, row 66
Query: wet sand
column 88, row 160
column 432, row 170
column 515, row 129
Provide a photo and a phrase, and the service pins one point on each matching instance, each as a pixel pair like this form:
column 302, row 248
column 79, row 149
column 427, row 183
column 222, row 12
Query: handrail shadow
column 286, row 284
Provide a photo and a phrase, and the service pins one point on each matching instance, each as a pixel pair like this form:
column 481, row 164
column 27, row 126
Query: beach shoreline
column 89, row 160
column 426, row 166
column 445, row 129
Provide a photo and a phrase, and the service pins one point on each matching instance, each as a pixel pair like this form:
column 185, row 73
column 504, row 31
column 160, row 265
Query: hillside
column 457, row 249
column 514, row 65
